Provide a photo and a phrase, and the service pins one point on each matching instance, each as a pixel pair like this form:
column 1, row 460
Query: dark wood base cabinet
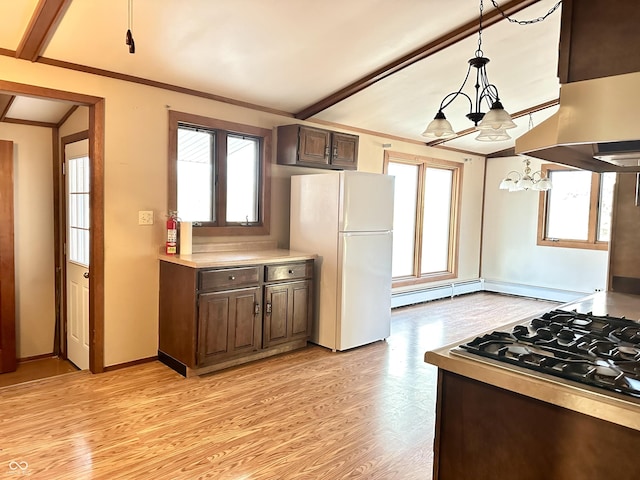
column 488, row 433
column 215, row 318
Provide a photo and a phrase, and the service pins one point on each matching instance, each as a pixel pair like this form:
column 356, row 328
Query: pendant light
column 494, row 124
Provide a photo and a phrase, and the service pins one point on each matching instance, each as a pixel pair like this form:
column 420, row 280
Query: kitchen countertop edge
column 236, row 258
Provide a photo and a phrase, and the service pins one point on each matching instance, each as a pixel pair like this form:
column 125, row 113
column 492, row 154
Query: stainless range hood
column 597, row 126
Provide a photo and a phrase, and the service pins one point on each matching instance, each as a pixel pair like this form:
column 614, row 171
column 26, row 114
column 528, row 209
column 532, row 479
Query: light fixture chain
column 479, row 51
column 526, row 22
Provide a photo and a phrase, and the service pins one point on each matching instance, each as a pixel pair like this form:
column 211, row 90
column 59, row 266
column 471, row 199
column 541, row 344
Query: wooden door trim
column 96, row 256
column 59, row 344
column 96, row 237
column 8, row 360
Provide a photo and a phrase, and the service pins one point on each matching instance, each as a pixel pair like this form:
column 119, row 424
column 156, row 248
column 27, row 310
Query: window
column 425, row 223
column 576, row 212
column 219, row 175
column 78, row 205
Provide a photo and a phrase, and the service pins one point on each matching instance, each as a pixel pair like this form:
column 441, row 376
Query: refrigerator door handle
column 378, row 232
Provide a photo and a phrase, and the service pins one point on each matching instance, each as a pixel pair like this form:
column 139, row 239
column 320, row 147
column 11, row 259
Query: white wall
column 509, row 251
column 136, row 138
column 34, row 247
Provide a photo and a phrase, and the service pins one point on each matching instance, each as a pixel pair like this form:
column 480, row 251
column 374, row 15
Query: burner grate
column 600, row 351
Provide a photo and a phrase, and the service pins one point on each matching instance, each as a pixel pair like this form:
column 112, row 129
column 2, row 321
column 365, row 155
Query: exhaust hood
column 597, row 126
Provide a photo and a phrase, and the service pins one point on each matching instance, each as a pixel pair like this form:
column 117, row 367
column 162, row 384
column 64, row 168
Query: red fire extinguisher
column 172, row 233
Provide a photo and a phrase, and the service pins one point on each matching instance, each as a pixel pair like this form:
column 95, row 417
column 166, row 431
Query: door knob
column 85, row 274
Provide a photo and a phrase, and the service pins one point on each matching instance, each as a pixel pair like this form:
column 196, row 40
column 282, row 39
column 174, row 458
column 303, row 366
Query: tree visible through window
column 425, row 217
column 576, row 212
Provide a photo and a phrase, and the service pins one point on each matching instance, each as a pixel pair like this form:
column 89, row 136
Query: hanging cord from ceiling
column 527, row 22
column 129, row 40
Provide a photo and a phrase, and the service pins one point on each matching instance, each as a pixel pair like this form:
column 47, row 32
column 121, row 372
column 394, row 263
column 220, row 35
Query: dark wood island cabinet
column 495, row 422
column 216, row 312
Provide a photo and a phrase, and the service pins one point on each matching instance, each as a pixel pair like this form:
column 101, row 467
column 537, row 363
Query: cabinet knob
column 231, row 277
column 290, row 272
column 326, row 152
column 335, row 152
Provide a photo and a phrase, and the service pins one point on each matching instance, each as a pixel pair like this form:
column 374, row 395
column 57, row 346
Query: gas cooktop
column 600, row 351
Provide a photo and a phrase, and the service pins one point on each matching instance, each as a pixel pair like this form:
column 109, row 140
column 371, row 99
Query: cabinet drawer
column 229, row 278
column 291, row 271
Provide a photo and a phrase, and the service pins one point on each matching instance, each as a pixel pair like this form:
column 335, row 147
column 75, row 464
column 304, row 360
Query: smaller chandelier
column 515, row 182
column 494, row 124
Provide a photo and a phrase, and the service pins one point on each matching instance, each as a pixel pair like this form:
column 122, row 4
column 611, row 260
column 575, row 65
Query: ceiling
column 295, row 56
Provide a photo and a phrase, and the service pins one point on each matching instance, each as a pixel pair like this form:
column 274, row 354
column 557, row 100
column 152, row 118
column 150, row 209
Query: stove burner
column 601, row 351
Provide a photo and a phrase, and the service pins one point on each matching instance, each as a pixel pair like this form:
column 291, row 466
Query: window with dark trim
column 426, row 218
column 219, row 175
column 576, row 212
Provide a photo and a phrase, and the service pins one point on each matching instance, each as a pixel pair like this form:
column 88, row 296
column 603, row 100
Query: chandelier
column 494, row 124
column 515, row 182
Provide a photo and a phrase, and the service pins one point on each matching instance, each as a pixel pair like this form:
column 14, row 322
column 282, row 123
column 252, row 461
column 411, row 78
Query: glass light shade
column 496, row 119
column 506, row 184
column 493, row 135
column 526, row 183
column 439, row 127
column 516, row 187
column 544, row 184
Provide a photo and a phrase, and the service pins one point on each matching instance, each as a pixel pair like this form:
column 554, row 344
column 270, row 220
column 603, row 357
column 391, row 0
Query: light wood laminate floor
column 36, row 370
column 311, row 414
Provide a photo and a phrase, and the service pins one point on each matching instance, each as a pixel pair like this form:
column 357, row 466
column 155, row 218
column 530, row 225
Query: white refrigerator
column 346, row 218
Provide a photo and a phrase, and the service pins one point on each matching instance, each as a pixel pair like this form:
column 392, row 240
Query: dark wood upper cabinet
column 598, row 38
column 316, row 147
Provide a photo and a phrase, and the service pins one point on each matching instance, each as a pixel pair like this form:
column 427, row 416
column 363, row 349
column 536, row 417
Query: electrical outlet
column 145, row 217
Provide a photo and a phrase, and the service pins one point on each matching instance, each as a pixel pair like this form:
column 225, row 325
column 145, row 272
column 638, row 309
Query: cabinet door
column 287, row 312
column 344, row 151
column 314, row 145
column 229, row 324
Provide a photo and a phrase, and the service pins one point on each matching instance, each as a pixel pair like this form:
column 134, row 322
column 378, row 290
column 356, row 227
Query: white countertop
column 236, row 258
column 615, row 408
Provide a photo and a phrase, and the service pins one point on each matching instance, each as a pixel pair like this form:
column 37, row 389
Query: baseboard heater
column 447, row 290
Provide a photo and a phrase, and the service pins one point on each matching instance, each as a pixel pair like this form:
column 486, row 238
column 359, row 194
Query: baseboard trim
column 36, row 357
column 133, row 363
column 533, row 291
column 450, row 290
column 437, row 292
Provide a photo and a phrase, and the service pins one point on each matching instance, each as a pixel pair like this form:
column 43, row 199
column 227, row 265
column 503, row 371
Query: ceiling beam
column 44, row 21
column 5, row 104
column 465, row 31
column 509, row 152
column 66, row 116
column 521, row 113
column 32, row 123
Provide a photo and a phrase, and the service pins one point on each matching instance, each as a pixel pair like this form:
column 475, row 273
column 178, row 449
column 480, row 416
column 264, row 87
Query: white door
column 77, row 252
column 365, row 289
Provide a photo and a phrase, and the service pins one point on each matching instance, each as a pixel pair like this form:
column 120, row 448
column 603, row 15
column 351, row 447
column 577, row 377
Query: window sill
column 230, row 231
column 425, row 279
column 573, row 244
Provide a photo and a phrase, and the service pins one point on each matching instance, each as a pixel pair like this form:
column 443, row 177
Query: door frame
column 8, row 359
column 96, row 237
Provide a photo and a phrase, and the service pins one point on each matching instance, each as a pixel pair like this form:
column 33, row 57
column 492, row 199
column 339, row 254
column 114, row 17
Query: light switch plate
column 145, row 217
